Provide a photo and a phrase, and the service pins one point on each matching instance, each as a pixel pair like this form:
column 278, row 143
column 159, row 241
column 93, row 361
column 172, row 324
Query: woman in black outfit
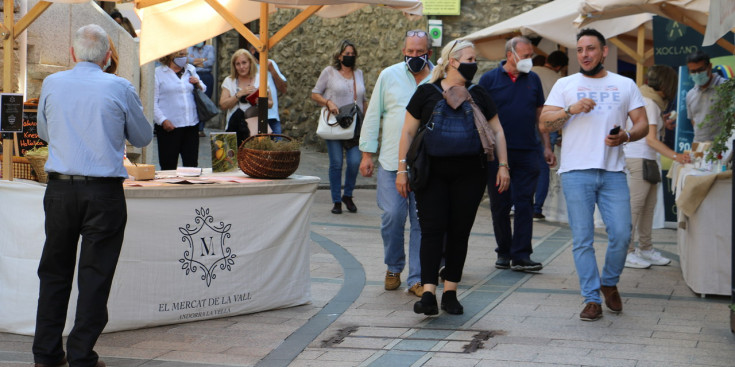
column 448, row 204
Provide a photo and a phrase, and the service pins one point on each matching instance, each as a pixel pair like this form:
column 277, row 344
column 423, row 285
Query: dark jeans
column 524, row 172
column 95, row 210
column 182, row 141
column 208, row 80
column 542, row 187
column 447, row 208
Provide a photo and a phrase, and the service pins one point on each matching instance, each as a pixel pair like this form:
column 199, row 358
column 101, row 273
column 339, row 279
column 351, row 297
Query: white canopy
column 552, row 21
column 172, row 25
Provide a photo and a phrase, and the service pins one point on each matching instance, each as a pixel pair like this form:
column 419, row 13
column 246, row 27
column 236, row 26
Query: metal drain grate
column 413, row 339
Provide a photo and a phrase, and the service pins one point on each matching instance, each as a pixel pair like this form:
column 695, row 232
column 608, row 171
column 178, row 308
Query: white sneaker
column 635, row 261
column 653, row 257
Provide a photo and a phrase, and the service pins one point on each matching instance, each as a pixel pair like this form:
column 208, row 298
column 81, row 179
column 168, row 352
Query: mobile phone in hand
column 615, row 130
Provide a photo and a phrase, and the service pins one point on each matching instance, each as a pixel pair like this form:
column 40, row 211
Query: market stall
column 219, row 246
column 704, row 235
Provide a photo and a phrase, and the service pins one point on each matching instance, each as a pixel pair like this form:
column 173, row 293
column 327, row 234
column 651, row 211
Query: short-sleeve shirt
column 584, row 133
column 518, row 103
column 422, row 102
column 333, row 86
column 699, row 104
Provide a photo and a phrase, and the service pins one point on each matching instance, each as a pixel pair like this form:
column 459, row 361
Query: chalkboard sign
column 29, row 138
column 11, row 112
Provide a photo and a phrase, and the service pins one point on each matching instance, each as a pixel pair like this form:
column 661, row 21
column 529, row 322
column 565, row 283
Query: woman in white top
column 338, row 85
column 175, row 112
column 658, row 90
column 242, row 82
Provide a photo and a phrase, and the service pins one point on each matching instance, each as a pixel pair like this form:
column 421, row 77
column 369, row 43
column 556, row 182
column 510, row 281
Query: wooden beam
column 293, row 24
column 235, row 23
column 140, row 4
column 30, row 17
column 263, row 92
column 641, row 51
column 8, row 82
column 623, row 47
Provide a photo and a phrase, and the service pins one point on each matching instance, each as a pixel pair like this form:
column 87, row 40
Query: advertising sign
column 441, row 7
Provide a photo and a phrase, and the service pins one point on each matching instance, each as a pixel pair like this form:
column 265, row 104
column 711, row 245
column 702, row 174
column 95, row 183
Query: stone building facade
column 378, row 33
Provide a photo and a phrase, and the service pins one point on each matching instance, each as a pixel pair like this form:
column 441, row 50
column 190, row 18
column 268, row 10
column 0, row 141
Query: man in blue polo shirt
column 519, row 97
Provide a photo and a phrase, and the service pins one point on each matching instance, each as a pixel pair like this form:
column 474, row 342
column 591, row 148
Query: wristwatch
column 566, row 110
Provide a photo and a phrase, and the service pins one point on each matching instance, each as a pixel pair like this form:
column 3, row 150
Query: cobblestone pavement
column 511, row 318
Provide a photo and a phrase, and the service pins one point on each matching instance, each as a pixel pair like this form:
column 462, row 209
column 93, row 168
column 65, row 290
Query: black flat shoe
column 349, row 204
column 427, row 305
column 450, row 304
column 337, row 208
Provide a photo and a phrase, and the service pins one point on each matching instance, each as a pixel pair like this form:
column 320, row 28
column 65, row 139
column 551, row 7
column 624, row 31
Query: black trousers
column 524, row 172
column 447, row 208
column 95, row 210
column 182, row 141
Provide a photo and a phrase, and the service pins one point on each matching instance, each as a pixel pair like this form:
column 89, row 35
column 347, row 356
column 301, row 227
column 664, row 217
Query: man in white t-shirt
column 276, row 83
column 587, row 106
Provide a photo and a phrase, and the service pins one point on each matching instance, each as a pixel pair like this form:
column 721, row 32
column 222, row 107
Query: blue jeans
column 393, row 226
column 275, row 125
column 582, row 189
column 542, row 187
column 353, row 157
column 515, row 244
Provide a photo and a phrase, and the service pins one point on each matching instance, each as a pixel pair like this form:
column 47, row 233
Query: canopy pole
column 641, row 54
column 263, row 89
column 8, row 41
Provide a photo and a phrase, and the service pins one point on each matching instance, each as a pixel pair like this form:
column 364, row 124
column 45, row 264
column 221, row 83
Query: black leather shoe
column 351, row 207
column 57, row 364
column 526, row 265
column 427, row 305
column 450, row 304
column 337, row 209
column 502, row 263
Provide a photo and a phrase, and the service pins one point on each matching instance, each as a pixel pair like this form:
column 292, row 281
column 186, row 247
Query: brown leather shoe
column 416, row 289
column 592, row 312
column 58, row 364
column 612, row 298
column 392, row 280
column 100, row 363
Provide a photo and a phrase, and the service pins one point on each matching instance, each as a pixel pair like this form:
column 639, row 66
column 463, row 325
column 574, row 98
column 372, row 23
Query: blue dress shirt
column 85, row 115
column 206, row 52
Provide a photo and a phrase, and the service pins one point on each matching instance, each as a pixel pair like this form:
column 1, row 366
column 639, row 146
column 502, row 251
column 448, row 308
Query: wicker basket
column 21, row 168
column 265, row 163
column 37, row 162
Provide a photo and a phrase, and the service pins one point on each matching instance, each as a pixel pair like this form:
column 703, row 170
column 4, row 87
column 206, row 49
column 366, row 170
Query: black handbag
column 206, row 109
column 417, row 162
column 238, row 123
column 651, row 173
column 349, row 114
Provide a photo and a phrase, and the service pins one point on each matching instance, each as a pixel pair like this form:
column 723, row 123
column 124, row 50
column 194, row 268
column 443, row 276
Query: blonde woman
column 448, row 204
column 242, row 82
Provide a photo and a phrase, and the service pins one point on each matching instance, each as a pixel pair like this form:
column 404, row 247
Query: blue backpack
column 451, row 132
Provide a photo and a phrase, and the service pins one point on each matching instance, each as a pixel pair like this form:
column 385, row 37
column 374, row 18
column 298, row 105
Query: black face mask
column 467, row 70
column 593, row 71
column 348, row 61
column 416, row 63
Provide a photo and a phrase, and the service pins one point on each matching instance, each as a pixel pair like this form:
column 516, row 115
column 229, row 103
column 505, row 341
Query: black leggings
column 447, row 208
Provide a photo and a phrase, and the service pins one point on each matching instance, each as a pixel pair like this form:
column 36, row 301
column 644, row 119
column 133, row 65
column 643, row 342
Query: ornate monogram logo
column 206, row 246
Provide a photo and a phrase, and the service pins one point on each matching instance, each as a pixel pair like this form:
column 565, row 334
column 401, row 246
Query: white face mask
column 525, row 65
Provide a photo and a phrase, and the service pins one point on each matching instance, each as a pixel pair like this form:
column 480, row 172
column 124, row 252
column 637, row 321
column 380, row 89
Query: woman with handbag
column 175, row 111
column 242, row 82
column 643, row 171
column 447, row 203
column 341, row 87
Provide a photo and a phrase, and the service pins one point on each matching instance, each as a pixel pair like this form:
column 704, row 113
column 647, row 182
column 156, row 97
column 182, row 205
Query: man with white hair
column 85, row 115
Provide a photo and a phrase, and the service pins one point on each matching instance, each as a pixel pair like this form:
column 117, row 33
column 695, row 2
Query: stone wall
column 377, row 32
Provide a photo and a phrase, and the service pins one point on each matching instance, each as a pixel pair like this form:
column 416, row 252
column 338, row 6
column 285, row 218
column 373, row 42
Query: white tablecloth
column 191, row 252
column 704, row 239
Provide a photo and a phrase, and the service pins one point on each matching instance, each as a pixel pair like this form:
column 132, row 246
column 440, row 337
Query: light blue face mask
column 700, row 78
